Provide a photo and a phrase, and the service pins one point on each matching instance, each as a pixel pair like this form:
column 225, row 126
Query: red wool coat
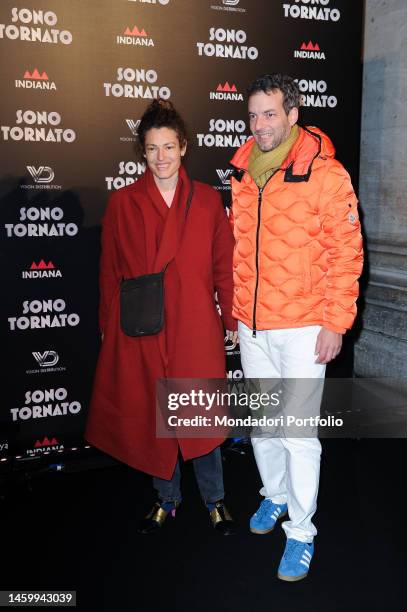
column 140, row 234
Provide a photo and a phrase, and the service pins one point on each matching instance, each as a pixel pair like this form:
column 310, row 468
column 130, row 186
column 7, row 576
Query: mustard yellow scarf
column 262, row 164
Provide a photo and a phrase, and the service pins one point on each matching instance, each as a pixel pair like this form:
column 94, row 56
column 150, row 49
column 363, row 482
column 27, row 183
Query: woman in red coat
column 145, row 227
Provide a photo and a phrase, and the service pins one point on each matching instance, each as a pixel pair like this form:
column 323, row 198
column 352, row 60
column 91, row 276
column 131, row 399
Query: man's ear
column 293, row 116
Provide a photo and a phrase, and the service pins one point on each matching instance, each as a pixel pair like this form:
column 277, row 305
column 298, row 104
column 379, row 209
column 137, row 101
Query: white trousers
column 288, row 467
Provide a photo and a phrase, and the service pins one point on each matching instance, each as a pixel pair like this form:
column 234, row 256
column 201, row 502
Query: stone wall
column 381, row 349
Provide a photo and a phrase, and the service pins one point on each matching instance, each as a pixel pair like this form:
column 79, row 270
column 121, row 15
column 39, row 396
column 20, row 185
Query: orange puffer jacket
column 298, row 252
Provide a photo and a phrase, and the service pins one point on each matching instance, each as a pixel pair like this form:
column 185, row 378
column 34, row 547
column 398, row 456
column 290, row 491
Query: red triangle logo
column 45, row 442
column 36, row 75
column 135, row 32
column 304, row 47
column 42, row 265
column 226, row 87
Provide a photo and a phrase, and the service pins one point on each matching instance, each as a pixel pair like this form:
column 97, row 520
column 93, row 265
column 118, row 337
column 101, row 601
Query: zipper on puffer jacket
column 259, row 200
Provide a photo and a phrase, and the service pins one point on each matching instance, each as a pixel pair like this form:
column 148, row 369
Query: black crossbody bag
column 142, row 299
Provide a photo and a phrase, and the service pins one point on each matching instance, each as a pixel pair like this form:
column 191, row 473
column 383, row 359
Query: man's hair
column 161, row 113
column 278, row 82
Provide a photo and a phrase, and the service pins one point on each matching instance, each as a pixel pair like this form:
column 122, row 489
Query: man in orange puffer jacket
column 297, row 260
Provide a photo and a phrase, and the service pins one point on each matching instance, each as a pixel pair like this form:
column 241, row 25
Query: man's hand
column 328, row 346
column 232, row 336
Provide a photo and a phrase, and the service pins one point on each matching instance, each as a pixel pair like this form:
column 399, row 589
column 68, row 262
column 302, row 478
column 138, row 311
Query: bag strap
column 190, row 196
column 188, row 206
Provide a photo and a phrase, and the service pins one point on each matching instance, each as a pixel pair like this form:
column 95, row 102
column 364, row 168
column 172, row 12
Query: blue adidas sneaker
column 295, row 561
column 264, row 520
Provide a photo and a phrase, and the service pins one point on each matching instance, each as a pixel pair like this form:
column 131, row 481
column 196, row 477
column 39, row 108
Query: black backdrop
column 76, row 76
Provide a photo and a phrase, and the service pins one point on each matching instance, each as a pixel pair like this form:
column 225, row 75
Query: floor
column 76, row 530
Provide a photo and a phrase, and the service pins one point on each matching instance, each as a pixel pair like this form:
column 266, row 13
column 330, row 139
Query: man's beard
column 277, row 141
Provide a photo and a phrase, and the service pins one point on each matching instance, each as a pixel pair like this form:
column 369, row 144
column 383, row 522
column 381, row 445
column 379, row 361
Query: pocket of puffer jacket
column 306, row 262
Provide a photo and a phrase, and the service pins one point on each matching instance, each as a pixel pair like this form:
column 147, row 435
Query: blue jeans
column 209, row 475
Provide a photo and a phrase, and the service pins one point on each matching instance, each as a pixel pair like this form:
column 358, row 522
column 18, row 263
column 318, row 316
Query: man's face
column 269, row 123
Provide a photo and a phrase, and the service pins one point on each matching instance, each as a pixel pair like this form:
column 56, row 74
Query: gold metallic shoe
column 156, row 518
column 221, row 519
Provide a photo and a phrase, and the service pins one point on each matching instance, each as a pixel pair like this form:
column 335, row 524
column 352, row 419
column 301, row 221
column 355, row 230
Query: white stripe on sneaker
column 307, row 555
column 304, row 563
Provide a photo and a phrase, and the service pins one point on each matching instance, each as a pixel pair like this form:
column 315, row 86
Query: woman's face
column 163, row 153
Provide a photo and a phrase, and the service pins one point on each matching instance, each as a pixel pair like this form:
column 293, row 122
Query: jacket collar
column 297, row 167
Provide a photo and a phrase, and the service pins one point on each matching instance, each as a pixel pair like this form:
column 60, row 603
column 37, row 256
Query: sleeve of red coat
column 343, row 241
column 223, row 265
column 109, row 271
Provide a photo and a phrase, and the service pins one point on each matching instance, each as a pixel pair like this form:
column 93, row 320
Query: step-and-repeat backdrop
column 76, row 76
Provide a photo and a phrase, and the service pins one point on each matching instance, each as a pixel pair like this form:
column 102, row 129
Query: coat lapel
column 174, row 220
